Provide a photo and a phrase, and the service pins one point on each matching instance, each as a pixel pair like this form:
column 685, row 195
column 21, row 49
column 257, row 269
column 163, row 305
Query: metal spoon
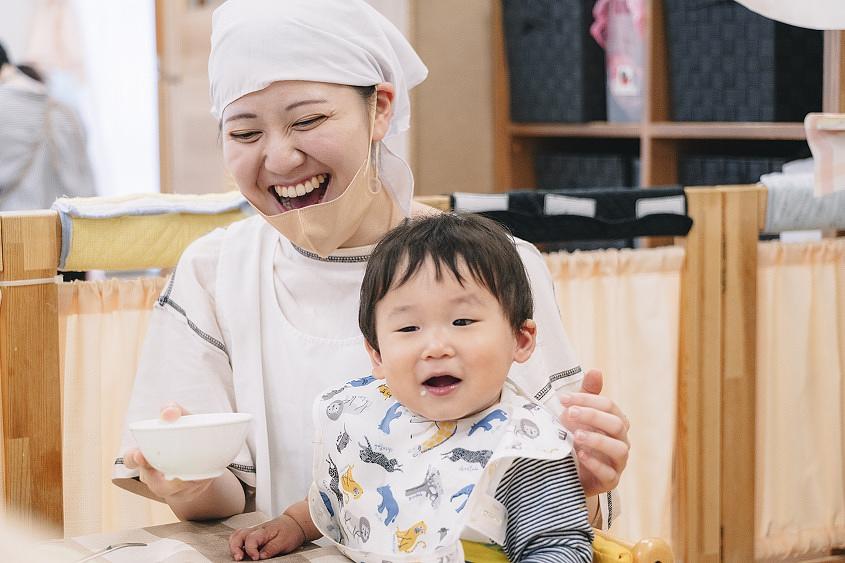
column 111, row 548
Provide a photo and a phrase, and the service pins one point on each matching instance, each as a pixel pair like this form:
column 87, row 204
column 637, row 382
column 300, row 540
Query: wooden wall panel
column 453, row 112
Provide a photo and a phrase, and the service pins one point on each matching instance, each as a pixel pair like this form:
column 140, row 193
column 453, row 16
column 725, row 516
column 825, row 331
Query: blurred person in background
column 42, row 144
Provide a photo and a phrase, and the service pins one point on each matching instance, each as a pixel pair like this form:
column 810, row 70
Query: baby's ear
column 526, row 340
column 375, row 358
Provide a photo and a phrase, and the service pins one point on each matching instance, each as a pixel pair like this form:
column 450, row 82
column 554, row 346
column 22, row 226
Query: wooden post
column 739, row 370
column 29, row 368
column 697, row 501
column 502, row 173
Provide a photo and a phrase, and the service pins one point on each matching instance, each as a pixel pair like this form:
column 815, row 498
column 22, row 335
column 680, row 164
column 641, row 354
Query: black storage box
column 556, row 67
column 567, row 170
column 729, row 64
column 713, row 170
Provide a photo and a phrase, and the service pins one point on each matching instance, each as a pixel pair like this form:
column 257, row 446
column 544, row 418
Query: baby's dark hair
column 450, row 240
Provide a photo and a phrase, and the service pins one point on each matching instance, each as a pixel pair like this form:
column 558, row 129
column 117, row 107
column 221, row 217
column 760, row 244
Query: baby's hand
column 274, row 537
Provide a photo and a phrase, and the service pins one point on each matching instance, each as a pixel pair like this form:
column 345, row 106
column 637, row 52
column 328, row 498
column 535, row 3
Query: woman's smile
column 302, row 194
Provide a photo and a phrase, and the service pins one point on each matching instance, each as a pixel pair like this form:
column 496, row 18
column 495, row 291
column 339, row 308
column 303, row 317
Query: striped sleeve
column 547, row 512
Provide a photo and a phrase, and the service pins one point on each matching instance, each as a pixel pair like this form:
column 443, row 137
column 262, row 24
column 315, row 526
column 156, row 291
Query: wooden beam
column 29, row 369
column 833, row 97
column 739, row 369
column 697, row 523
column 502, row 173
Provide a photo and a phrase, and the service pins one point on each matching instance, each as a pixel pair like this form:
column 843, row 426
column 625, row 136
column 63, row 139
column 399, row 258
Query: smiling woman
column 261, row 317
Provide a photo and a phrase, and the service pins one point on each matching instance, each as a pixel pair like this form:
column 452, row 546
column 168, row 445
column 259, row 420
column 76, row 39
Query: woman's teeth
column 305, row 187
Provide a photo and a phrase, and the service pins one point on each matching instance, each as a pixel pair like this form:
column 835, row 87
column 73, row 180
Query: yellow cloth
column 139, row 231
column 138, row 242
column 605, row 550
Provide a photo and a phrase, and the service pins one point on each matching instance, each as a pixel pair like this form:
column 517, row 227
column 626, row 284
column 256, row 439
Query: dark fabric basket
column 614, row 225
column 560, row 170
column 729, row 64
column 713, row 170
column 556, row 68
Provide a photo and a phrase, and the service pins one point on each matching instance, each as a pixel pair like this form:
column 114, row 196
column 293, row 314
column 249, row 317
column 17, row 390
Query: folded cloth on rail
column 142, row 231
column 826, row 137
column 585, row 214
column 793, row 206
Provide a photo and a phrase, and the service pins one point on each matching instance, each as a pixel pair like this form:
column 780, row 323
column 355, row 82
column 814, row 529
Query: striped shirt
column 547, row 512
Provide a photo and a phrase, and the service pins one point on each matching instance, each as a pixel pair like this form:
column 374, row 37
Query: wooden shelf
column 727, row 130
column 597, row 129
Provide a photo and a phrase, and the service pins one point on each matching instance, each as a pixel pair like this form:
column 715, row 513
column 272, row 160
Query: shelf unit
column 661, row 141
column 713, row 519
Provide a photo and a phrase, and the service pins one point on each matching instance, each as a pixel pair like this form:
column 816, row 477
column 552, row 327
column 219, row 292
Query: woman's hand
column 171, row 492
column 274, row 537
column 601, row 435
column 219, row 497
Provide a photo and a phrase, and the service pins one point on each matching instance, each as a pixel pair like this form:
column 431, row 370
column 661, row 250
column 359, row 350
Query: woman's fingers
column 603, row 476
column 134, row 459
column 601, row 435
column 599, row 402
column 593, row 382
column 172, row 411
column 609, row 451
column 592, row 418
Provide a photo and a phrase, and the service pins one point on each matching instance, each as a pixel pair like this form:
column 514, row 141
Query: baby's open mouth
column 441, row 384
column 301, row 195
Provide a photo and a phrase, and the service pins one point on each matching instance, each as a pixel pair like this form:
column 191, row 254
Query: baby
column 437, row 455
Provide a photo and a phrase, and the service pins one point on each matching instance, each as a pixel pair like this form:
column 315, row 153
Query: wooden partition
column 30, row 382
column 716, row 420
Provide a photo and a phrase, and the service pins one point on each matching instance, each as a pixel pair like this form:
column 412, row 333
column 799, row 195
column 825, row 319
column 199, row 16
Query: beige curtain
column 101, row 328
column 800, row 500
column 621, row 310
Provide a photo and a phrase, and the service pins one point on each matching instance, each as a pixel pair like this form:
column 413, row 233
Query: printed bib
column 390, row 485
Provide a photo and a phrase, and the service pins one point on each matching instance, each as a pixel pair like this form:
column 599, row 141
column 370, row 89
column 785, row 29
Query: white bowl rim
column 192, row 421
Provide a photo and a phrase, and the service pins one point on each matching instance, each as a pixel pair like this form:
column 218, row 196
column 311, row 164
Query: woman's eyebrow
column 240, row 116
column 305, row 102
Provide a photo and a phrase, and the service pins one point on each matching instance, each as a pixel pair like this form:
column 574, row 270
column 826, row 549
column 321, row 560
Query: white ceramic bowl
column 195, row 446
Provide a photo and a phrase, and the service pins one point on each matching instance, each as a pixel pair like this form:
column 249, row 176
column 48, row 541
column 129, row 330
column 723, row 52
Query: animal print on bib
column 390, row 485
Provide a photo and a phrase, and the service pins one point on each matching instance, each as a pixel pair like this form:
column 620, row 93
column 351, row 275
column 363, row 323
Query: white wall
column 117, row 97
column 120, row 99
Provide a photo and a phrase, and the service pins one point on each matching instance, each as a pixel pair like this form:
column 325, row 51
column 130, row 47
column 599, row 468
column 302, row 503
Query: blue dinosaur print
column 328, row 503
column 463, row 492
column 388, row 504
column 486, row 422
column 361, row 381
column 392, row 414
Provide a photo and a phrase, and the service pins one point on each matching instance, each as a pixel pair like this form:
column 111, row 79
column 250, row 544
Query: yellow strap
column 605, row 550
column 475, row 552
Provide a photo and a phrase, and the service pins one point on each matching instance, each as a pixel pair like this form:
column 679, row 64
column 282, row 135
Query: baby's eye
column 309, row 122
column 244, row 136
column 462, row 322
column 408, row 329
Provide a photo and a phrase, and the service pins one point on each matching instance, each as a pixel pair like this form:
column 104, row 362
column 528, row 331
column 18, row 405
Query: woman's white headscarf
column 257, row 42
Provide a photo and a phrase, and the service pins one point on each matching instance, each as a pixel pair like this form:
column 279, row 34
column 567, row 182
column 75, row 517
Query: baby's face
column 446, row 349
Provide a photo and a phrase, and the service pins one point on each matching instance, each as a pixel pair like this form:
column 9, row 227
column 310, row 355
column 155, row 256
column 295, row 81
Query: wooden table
column 182, row 542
